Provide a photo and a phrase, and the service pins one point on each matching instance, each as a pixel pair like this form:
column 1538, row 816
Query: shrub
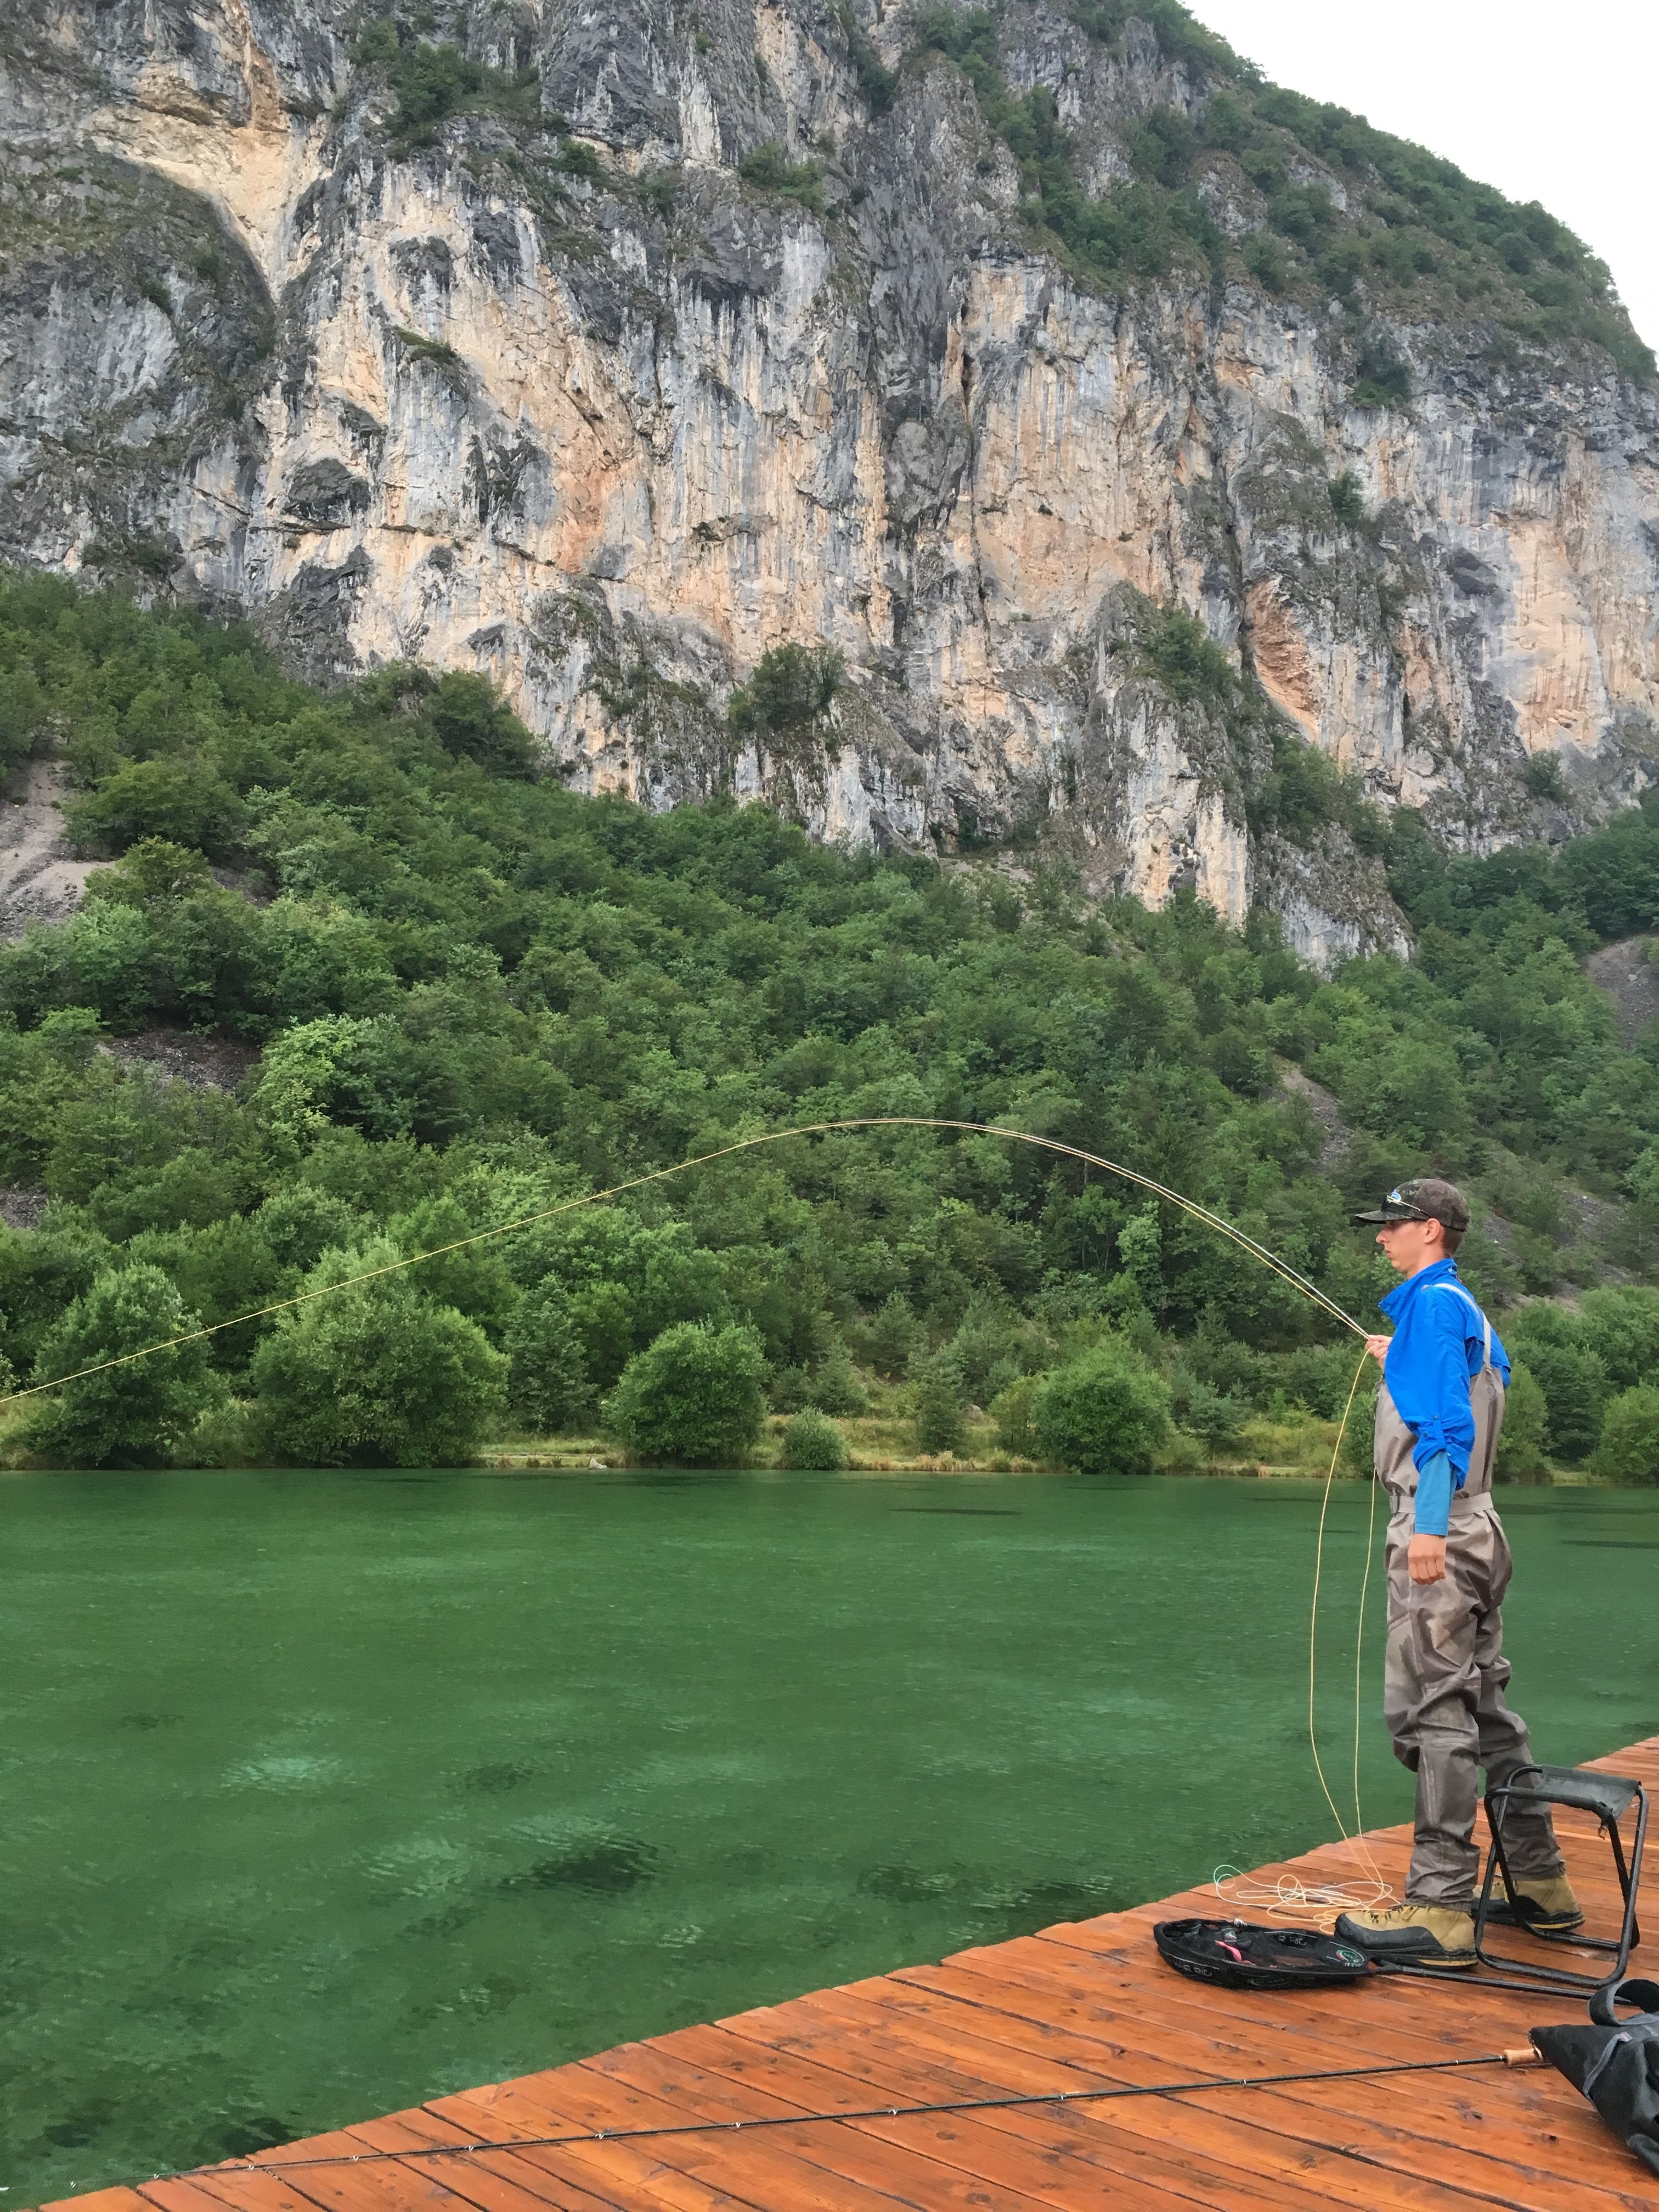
column 577, row 159
column 811, row 1442
column 128, row 1415
column 1541, row 776
column 937, row 1401
column 1347, row 500
column 1011, row 1410
column 1572, row 1376
column 1179, row 652
column 793, row 686
column 1104, row 1413
column 769, row 172
column 1629, row 1450
column 377, row 1375
column 694, row 1397
column 436, row 80
column 1526, row 1424
column 1381, row 379
column 1264, row 258
column 876, row 80
column 548, row 1380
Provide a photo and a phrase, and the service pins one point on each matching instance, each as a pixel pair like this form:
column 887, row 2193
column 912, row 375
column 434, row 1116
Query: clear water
column 326, row 1793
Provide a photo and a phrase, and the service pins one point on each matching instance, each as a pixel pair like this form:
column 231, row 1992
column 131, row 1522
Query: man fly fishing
column 1438, row 1414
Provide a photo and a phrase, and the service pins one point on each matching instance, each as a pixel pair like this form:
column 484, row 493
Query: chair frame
column 1553, row 1787
column 1495, row 1970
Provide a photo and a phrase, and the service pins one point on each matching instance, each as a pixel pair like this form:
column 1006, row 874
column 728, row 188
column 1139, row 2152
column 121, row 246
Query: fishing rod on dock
column 1522, row 2055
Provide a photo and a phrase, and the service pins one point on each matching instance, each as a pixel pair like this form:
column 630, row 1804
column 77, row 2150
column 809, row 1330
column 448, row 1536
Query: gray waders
column 1443, row 1676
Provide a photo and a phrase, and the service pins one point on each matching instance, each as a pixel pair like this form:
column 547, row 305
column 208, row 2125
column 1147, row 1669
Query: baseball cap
column 1428, row 1199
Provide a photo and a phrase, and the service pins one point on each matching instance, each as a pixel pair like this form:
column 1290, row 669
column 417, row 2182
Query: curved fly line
column 1288, row 1898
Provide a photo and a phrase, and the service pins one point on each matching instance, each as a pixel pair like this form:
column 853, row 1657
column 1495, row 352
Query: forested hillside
column 474, row 993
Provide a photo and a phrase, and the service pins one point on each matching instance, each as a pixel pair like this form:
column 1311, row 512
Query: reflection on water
column 326, row 1793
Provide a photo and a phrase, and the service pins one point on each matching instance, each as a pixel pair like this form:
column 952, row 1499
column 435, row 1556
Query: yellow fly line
column 1292, row 1898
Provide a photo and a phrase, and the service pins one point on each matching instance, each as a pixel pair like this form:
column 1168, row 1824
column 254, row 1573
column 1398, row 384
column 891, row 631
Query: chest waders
column 1444, row 1672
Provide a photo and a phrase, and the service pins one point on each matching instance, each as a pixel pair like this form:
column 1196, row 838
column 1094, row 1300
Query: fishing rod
column 1523, row 2055
column 1191, row 1205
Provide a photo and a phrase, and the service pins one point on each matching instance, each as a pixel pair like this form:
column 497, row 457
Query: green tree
column 694, row 1397
column 1629, row 1448
column 1105, row 1413
column 1621, row 1328
column 937, row 1401
column 1526, row 1424
column 1572, row 1376
column 549, row 1381
column 1359, row 1447
column 376, row 1374
column 1011, row 1410
column 1140, row 1249
column 128, row 1415
column 835, row 1388
column 22, row 717
column 178, row 801
column 892, row 1336
column 812, row 1441
column 1213, row 1416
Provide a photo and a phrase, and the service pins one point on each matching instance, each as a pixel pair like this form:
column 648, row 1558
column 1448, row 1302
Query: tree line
column 474, row 994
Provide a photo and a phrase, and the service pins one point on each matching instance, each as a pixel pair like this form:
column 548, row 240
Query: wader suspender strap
column 1458, row 1291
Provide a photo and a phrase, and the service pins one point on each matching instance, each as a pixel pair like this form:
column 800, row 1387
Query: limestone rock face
column 546, row 389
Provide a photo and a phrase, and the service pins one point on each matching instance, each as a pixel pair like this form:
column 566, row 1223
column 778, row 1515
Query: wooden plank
column 760, row 2170
column 913, row 2071
column 968, row 2153
column 841, row 2157
column 491, row 2183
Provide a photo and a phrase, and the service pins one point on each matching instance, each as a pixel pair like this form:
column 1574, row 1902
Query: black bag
column 1242, row 1956
column 1615, row 2063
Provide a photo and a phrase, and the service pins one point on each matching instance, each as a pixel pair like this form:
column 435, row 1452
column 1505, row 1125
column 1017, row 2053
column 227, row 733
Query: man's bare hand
column 1425, row 1559
column 1378, row 1348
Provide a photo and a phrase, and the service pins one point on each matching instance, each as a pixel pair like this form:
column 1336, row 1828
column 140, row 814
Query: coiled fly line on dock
column 1289, row 1898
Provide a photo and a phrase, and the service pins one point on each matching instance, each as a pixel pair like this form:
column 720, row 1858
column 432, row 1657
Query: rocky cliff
column 1144, row 441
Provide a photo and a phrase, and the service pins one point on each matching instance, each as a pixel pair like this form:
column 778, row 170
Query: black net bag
column 1239, row 1956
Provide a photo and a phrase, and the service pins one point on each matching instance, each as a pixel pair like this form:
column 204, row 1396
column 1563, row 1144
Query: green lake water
column 323, row 1794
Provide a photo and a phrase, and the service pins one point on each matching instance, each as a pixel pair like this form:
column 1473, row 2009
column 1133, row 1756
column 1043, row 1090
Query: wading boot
column 1544, row 1901
column 1438, row 1935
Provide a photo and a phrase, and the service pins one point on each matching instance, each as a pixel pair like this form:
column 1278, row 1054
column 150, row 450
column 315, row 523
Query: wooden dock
column 1077, row 2007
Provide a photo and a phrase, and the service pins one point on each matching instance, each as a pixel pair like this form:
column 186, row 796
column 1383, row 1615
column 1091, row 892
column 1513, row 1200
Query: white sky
column 1551, row 102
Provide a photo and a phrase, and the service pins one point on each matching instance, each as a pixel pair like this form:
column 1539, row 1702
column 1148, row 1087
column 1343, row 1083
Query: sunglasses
column 1393, row 1197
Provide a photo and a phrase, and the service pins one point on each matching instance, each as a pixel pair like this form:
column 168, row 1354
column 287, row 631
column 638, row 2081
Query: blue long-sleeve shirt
column 1439, row 1344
